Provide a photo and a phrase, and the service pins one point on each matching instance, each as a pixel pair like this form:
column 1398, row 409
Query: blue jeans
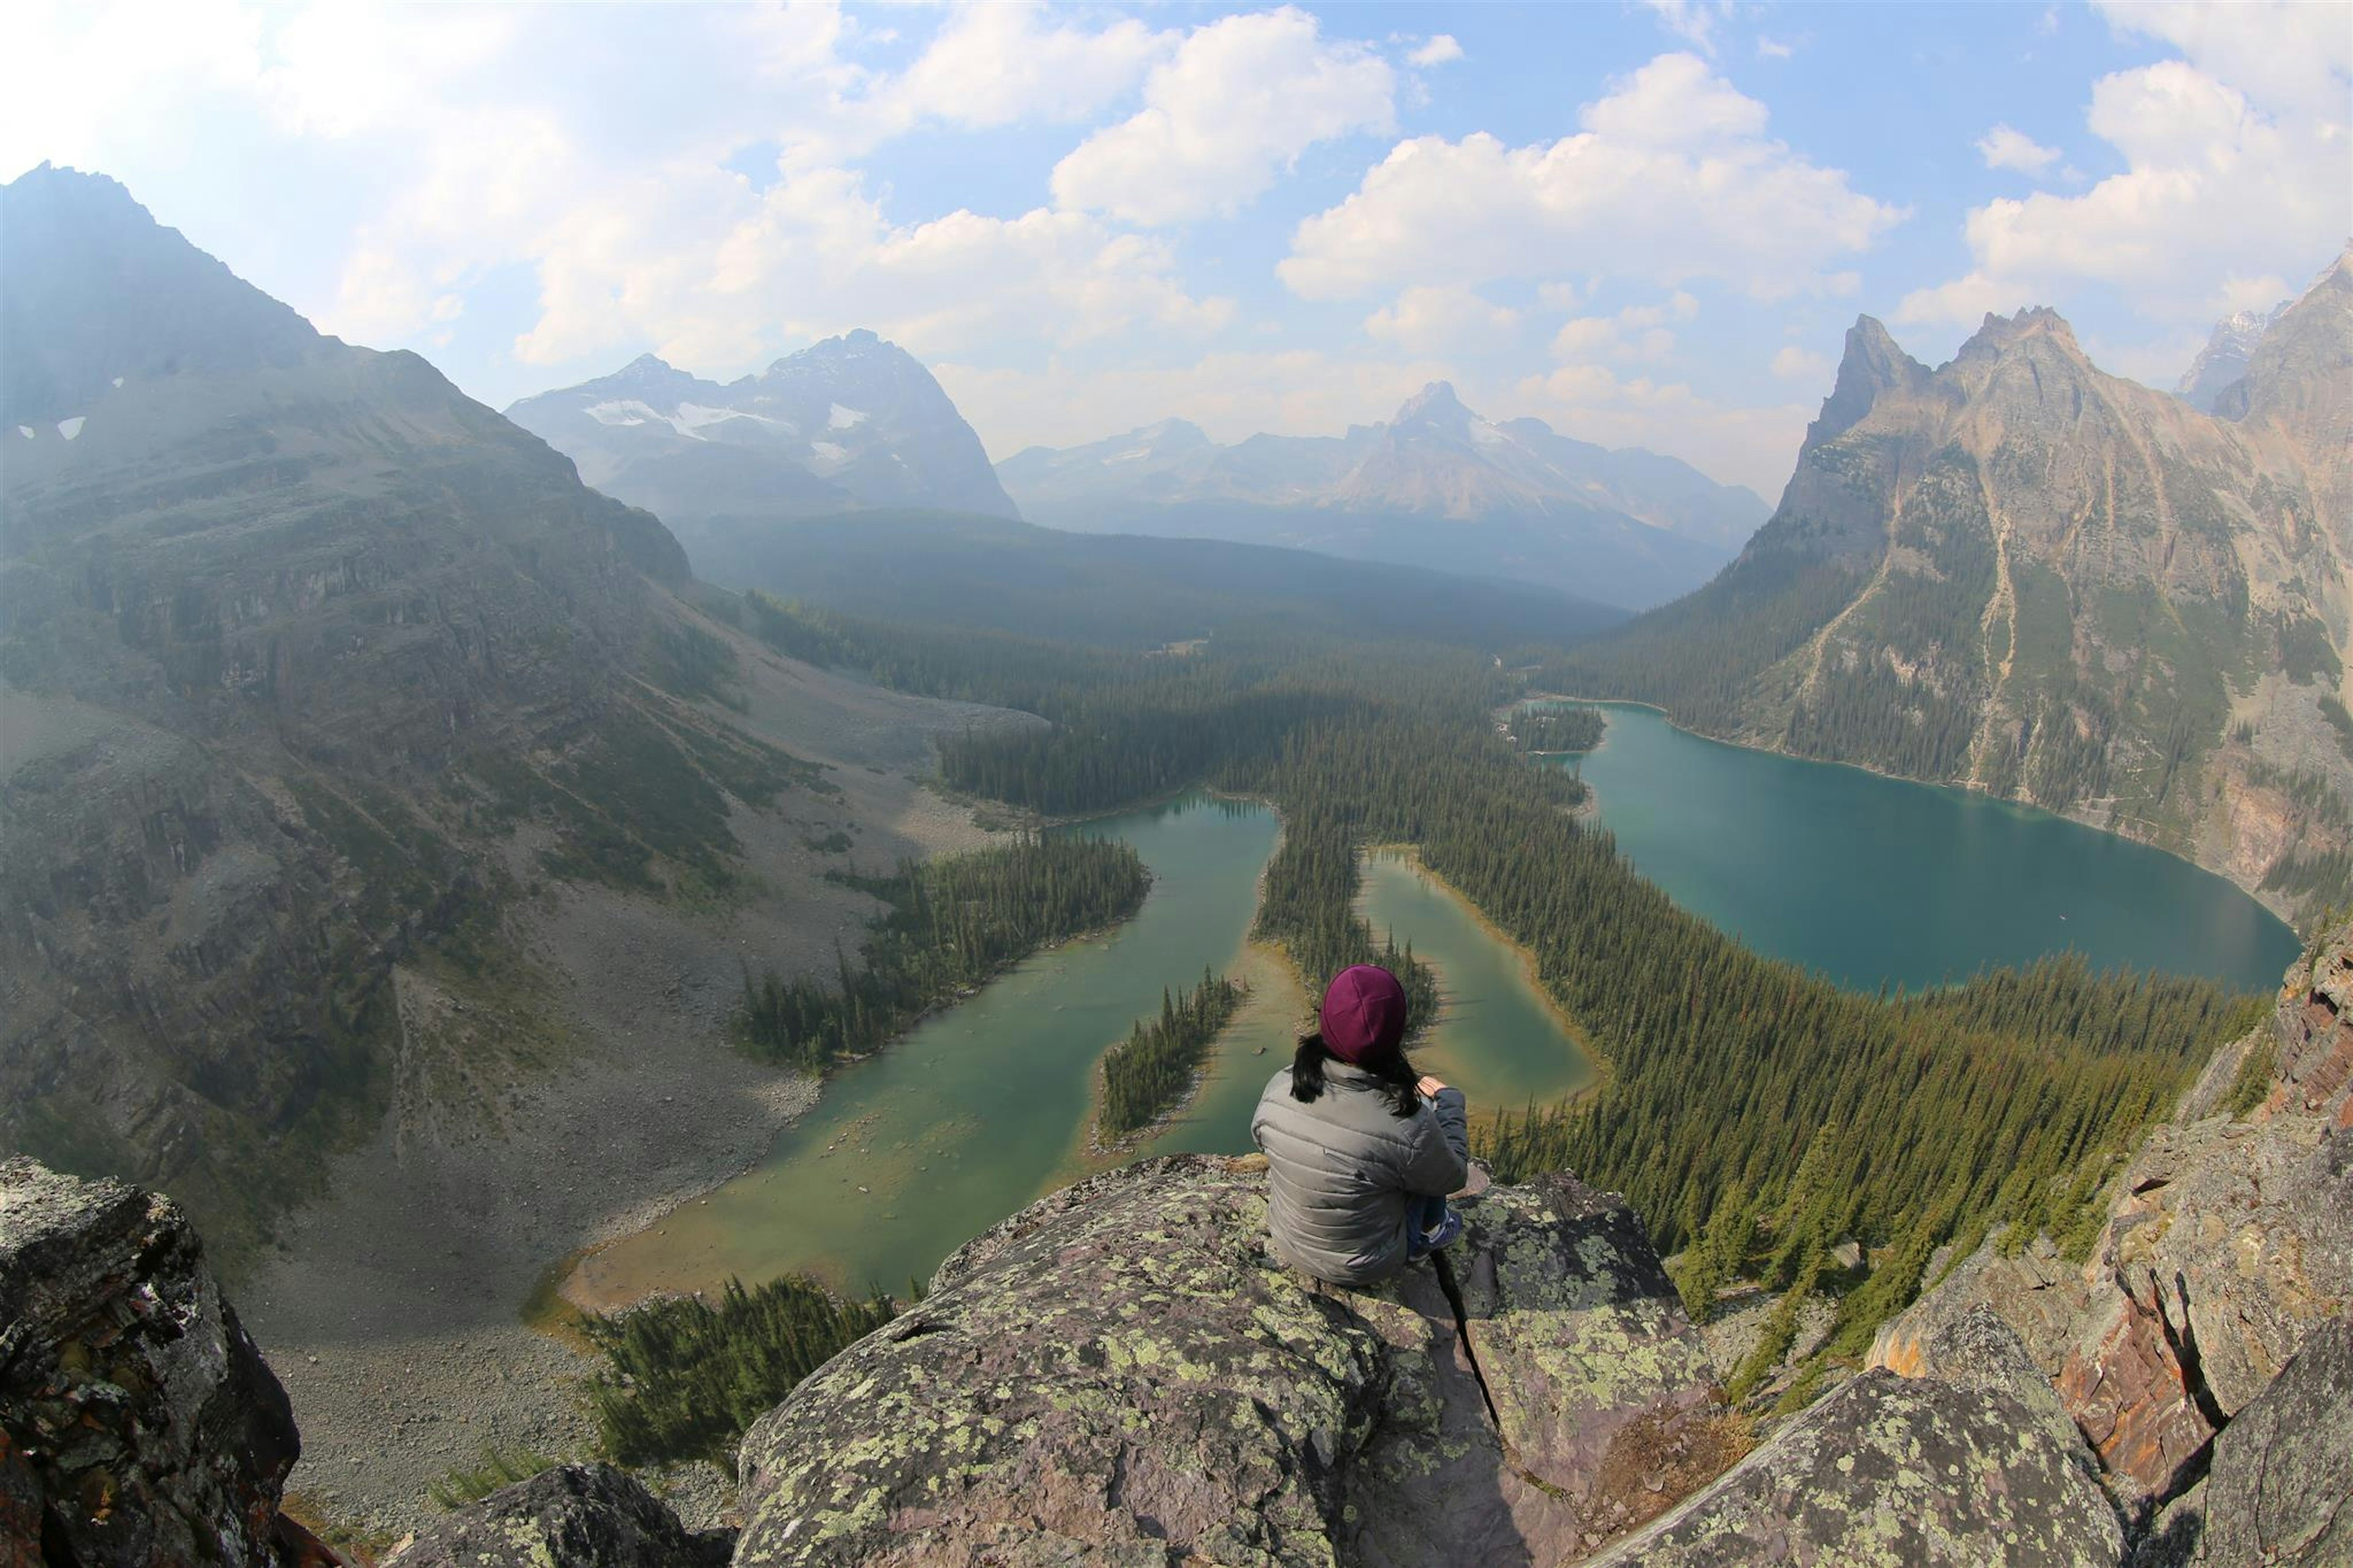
column 1425, row 1215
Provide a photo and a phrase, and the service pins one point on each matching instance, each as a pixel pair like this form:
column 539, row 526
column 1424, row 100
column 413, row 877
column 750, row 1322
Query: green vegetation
column 2305, row 652
column 948, row 925
column 1557, row 728
column 2332, row 709
column 2253, row 1082
column 1927, row 1118
column 684, row 1379
column 1149, row 1072
column 463, row 1484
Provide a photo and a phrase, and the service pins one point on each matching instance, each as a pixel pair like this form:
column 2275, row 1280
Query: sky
column 1649, row 223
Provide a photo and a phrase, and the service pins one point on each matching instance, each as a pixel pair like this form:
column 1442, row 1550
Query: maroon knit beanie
column 1364, row 1013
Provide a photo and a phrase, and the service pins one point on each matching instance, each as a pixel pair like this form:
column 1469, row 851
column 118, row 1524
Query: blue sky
column 1649, row 223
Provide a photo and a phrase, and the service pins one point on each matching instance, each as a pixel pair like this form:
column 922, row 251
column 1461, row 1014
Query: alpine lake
column 988, row 1105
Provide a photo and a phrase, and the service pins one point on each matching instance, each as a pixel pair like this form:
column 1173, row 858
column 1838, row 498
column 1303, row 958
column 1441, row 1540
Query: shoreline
column 1973, row 790
column 1575, row 1032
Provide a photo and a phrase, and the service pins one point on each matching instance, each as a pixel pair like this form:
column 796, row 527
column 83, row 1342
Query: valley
column 481, row 904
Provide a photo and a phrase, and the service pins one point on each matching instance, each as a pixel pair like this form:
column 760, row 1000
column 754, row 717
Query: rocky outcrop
column 573, row 1516
column 2282, row 1486
column 138, row 1425
column 1122, row 1373
column 1973, row 1462
column 2227, row 1247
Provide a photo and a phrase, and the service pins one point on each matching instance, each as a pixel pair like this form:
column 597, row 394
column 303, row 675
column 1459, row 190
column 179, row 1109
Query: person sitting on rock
column 1362, row 1151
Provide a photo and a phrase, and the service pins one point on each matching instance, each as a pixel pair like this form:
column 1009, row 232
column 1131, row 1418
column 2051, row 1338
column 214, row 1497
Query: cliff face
column 2226, row 1254
column 2019, row 574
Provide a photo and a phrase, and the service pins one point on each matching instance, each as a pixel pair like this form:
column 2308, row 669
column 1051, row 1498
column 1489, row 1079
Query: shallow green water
column 976, row 1112
column 983, row 1108
column 1871, row 880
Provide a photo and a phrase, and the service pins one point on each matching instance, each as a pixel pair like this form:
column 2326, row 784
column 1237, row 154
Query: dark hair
column 1391, row 1067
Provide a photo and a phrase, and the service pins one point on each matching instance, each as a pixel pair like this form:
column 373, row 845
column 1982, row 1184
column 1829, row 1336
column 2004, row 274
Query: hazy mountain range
column 856, row 424
column 2021, row 574
column 1437, row 487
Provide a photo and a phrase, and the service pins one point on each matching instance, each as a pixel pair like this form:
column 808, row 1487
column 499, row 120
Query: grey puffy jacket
column 1343, row 1170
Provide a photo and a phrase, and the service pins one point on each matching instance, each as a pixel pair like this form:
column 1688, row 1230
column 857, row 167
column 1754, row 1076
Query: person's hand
column 1429, row 1087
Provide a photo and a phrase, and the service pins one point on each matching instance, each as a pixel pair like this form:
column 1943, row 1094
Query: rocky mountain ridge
column 1437, row 486
column 2019, row 574
column 850, row 423
column 323, row 692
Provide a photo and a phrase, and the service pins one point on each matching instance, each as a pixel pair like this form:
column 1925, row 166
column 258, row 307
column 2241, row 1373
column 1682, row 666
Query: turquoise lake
column 1871, row 880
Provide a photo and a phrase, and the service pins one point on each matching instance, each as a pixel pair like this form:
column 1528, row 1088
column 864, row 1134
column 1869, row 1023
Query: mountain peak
column 96, row 289
column 1999, row 333
column 1435, row 403
column 1872, row 365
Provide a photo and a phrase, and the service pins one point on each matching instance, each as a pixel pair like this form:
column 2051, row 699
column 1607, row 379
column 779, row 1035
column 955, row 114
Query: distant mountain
column 848, row 423
column 318, row 683
column 2019, row 573
column 2222, row 363
column 1437, row 487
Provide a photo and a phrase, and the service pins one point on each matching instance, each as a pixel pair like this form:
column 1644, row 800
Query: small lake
column 1871, row 880
column 984, row 1107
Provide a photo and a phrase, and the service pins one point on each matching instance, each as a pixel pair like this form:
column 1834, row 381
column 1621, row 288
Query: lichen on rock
column 1123, row 1373
column 573, row 1516
column 1973, row 1463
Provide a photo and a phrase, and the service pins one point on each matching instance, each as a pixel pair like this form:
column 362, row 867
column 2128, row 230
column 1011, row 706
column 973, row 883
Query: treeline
column 685, row 1379
column 949, row 924
column 1557, row 728
column 1752, row 1111
column 1150, row 1070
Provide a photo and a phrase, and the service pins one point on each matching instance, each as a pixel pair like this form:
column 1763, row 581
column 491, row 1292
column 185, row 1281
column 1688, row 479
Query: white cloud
column 2003, row 148
column 1774, row 49
column 1671, row 179
column 1691, row 20
column 1427, row 319
column 994, row 65
column 1440, row 49
column 1794, row 363
column 1240, row 100
column 2238, row 166
column 1636, row 332
column 721, row 280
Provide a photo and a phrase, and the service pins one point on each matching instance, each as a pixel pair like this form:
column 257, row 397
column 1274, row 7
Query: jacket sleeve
column 1439, row 1161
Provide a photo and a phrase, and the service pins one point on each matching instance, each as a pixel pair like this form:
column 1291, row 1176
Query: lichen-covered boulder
column 1974, row 1463
column 573, row 1516
column 2281, row 1489
column 1122, row 1373
column 138, row 1425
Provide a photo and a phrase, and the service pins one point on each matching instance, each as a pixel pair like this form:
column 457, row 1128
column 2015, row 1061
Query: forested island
column 1149, row 1072
column 949, row 924
column 1557, row 728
